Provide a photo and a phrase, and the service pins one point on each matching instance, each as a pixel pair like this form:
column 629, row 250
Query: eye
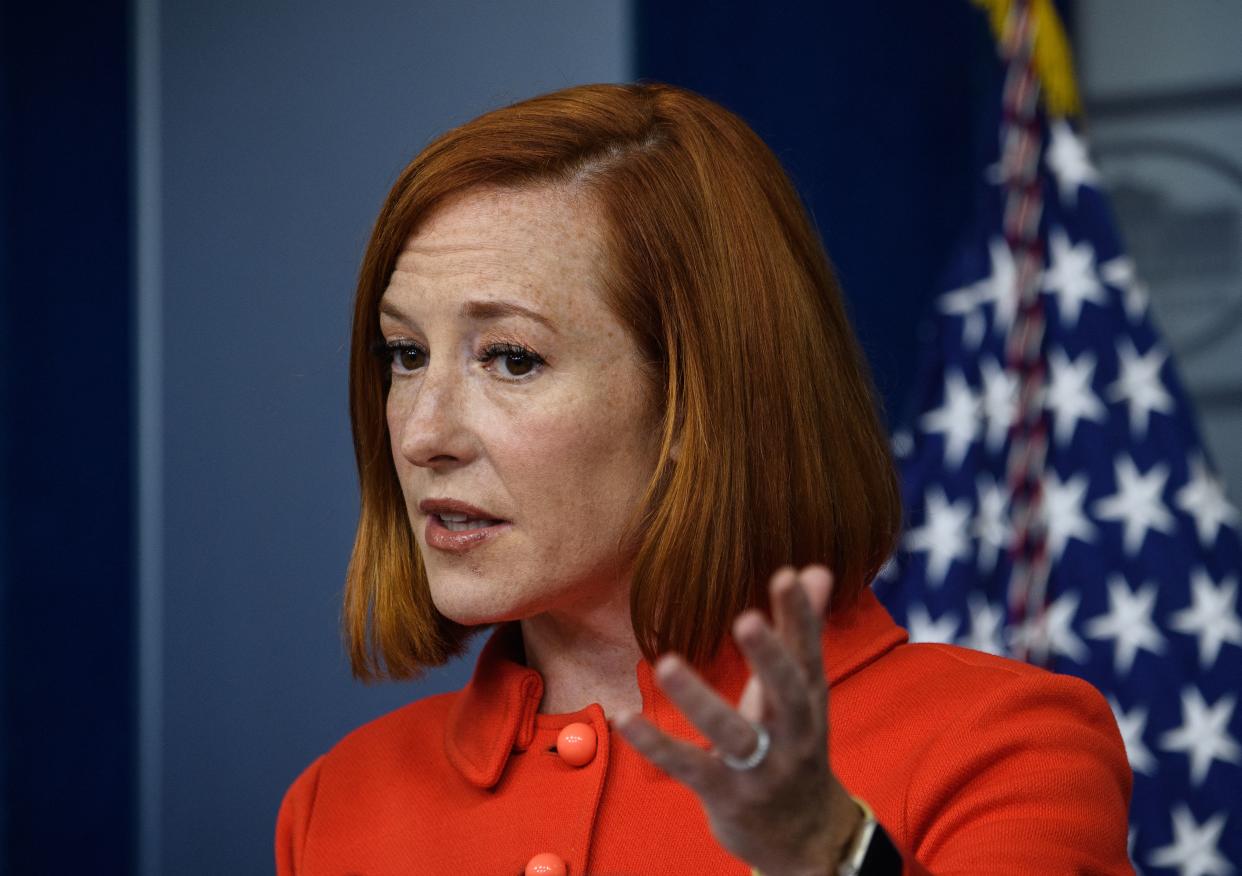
column 403, row 357
column 513, row 361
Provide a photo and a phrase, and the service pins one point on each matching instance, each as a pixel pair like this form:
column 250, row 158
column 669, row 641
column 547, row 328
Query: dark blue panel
column 66, row 593
column 875, row 109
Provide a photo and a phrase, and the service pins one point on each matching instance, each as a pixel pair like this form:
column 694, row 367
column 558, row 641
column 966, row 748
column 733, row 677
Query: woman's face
column 518, row 401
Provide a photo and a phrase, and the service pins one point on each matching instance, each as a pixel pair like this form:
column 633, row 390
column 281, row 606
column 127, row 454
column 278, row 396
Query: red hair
column 773, row 452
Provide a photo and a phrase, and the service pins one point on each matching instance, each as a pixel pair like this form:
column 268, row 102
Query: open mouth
column 456, row 532
column 463, row 523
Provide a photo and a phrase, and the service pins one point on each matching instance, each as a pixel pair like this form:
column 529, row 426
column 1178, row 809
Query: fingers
column 783, row 680
column 817, row 581
column 685, row 762
column 750, row 705
column 727, row 730
column 751, row 806
column 786, row 692
column 798, row 605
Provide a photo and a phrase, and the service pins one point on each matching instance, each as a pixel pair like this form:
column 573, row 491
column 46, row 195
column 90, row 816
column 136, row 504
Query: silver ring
column 762, row 744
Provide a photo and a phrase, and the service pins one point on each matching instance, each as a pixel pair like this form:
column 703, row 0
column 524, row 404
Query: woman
column 615, row 391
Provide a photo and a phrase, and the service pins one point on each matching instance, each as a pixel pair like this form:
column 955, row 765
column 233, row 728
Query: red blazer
column 973, row 764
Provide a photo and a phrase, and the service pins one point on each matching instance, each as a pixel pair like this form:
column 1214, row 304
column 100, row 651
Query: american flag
column 1141, row 595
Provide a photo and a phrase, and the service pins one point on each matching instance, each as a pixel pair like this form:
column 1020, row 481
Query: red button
column 576, row 744
column 546, row 864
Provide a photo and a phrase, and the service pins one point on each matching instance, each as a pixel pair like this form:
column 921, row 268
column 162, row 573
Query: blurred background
column 187, row 191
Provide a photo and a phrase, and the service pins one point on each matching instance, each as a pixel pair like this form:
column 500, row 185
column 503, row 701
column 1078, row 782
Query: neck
column 586, row 654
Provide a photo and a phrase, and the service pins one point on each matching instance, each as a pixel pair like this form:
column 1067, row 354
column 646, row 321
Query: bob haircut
column 773, row 452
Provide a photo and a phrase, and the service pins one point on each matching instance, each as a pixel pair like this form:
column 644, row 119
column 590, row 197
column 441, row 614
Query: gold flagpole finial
column 1051, row 52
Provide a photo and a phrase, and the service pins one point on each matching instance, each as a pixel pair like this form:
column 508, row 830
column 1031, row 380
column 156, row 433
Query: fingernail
column 666, row 666
column 746, row 625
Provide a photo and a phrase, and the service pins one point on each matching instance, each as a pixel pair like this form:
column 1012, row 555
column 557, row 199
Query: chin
column 470, row 616
column 472, row 602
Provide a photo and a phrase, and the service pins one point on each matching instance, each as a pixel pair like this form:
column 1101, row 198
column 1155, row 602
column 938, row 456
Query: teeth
column 455, row 516
column 463, row 524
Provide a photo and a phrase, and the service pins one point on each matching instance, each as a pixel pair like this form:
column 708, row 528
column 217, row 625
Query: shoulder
column 955, row 700
column 412, row 733
column 982, row 697
column 959, row 678
column 1038, row 752
column 359, row 771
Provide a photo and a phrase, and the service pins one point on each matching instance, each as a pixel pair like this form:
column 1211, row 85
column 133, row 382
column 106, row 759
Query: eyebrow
column 495, row 309
column 482, row 311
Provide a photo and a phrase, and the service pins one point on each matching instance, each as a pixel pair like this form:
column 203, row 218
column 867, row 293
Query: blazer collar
column 494, row 714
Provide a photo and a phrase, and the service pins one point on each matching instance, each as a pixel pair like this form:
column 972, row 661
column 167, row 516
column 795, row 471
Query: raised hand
column 767, row 788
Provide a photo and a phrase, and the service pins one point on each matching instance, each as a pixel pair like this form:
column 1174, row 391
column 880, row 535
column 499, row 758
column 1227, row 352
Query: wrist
column 845, row 837
column 857, row 855
column 839, row 843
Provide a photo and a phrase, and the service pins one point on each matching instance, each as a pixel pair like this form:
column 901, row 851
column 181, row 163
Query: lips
column 455, row 527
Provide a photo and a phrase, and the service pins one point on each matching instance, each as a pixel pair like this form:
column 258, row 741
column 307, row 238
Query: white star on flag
column 889, row 570
column 1000, row 402
column 1137, row 504
column 923, row 629
column 957, row 419
column 1138, row 384
column 1128, row 623
column 959, row 302
column 1100, row 541
column 1000, row 288
column 986, row 624
column 1071, row 276
column 1068, row 159
column 1204, row 734
column 965, row 303
column 903, row 443
column 1203, row 498
column 1212, row 616
column 1132, row 726
column 1069, row 396
column 1119, row 273
column 1194, row 851
column 943, row 534
column 1053, row 630
column 992, row 526
column 1063, row 514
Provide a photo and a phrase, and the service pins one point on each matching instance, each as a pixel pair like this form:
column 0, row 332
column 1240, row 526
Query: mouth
column 463, row 522
column 456, row 527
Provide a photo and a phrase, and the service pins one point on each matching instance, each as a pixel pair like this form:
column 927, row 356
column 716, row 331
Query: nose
column 429, row 419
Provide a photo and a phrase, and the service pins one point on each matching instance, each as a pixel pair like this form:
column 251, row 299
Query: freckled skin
column 563, row 453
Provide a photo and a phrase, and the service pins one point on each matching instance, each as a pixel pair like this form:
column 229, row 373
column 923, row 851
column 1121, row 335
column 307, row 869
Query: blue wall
column 281, row 127
column 66, row 697
column 878, row 111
